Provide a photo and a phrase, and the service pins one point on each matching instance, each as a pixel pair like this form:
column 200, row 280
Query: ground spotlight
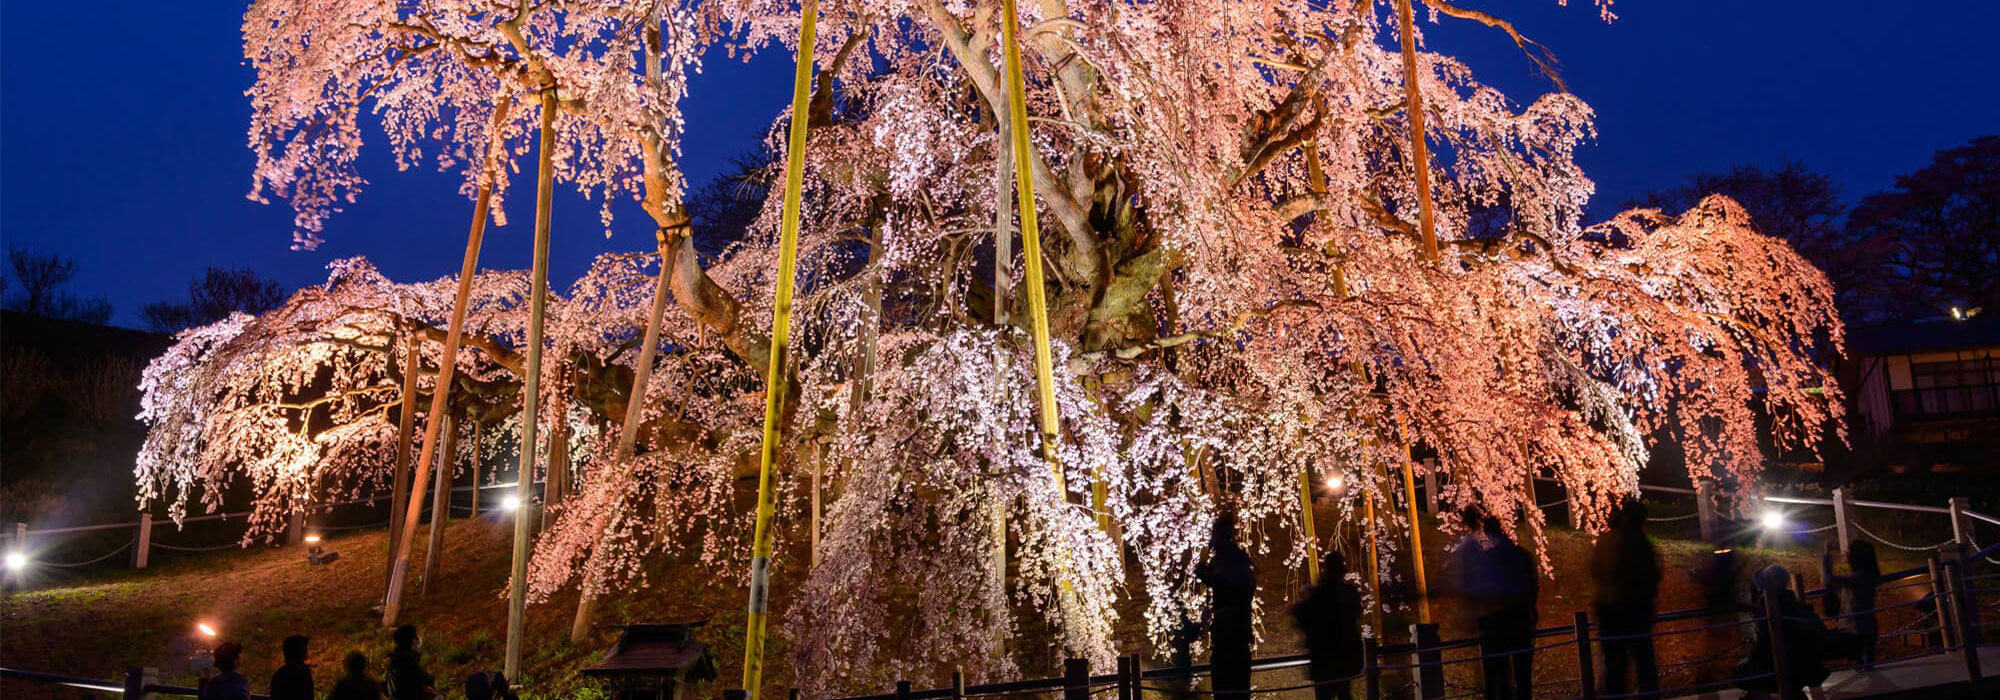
column 510, row 503
column 16, row 561
column 1772, row 520
column 206, row 630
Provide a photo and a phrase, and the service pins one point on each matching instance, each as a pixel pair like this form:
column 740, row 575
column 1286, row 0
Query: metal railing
column 1952, row 626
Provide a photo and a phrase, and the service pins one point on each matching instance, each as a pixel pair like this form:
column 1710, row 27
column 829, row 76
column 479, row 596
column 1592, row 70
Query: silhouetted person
column 1232, row 579
column 406, row 677
column 1858, row 587
column 1804, row 635
column 227, row 685
column 479, row 686
column 1501, row 587
column 1626, row 572
column 356, row 685
column 294, row 680
column 1718, row 577
column 501, row 689
column 1330, row 617
column 1189, row 632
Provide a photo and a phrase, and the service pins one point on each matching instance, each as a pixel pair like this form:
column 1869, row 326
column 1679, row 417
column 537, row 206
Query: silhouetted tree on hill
column 34, row 282
column 212, row 297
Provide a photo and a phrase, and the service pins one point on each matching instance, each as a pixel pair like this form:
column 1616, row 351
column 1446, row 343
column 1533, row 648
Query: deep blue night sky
column 122, row 126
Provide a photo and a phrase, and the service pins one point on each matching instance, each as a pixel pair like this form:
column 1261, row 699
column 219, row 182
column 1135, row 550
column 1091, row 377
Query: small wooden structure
column 655, row 662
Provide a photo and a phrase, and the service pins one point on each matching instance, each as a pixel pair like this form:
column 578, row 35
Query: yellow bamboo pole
column 1306, row 519
column 1031, row 237
column 781, row 328
column 1374, row 562
column 1416, row 537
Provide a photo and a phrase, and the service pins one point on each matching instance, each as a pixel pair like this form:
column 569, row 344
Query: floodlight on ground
column 1335, row 482
column 206, row 630
column 510, row 503
column 312, row 539
column 1772, row 520
column 16, row 561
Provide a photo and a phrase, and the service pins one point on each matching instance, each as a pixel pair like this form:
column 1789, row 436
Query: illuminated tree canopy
column 1237, row 293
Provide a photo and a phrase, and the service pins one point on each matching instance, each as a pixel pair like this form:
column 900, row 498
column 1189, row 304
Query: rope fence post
column 1704, row 507
column 142, row 544
column 957, row 684
column 1961, row 524
column 1841, row 520
column 1076, row 679
column 1371, row 670
column 902, row 690
column 1774, row 621
column 1124, row 677
column 136, row 680
column 1586, row 675
column 1967, row 609
column 1941, row 597
column 1429, row 661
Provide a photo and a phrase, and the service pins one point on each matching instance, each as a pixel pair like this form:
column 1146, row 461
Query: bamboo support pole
column 531, row 385
column 781, row 326
column 440, row 505
column 1413, row 105
column 399, row 487
column 447, row 368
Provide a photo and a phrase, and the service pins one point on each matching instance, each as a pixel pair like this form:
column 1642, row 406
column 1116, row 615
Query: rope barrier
column 216, row 548
column 337, row 528
column 1906, row 548
column 1676, row 518
column 1551, row 504
column 1684, row 630
column 115, row 552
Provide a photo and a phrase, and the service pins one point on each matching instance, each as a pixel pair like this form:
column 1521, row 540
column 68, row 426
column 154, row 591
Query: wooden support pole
column 399, row 486
column 1413, row 105
column 531, row 384
column 1843, row 525
column 1704, row 505
column 1429, row 661
column 476, row 425
column 1371, row 668
column 295, row 528
column 1961, row 524
column 448, row 359
column 1374, row 560
column 1416, row 540
column 142, row 541
column 440, row 504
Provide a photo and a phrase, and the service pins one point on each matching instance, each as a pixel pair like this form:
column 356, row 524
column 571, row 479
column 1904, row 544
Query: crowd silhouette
column 1496, row 579
column 404, row 675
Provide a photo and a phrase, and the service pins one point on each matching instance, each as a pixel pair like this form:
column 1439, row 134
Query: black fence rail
column 1953, row 625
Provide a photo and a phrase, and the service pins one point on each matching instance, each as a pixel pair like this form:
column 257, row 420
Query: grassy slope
column 115, row 619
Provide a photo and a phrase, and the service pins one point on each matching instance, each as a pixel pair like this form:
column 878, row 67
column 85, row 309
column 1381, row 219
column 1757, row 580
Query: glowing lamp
column 1335, row 482
column 510, row 503
column 206, row 630
column 312, row 539
column 1772, row 520
column 16, row 561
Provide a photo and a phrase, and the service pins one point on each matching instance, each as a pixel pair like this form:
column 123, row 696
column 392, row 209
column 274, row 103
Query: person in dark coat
column 227, row 685
column 1232, row 578
column 1804, row 636
column 1330, row 618
column 406, row 678
column 1858, row 587
column 1506, row 593
column 294, row 680
column 356, row 685
column 1625, row 571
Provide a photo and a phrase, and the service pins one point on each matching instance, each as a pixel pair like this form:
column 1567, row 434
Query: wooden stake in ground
column 531, row 384
column 392, row 604
column 642, row 376
column 399, row 489
column 440, row 505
